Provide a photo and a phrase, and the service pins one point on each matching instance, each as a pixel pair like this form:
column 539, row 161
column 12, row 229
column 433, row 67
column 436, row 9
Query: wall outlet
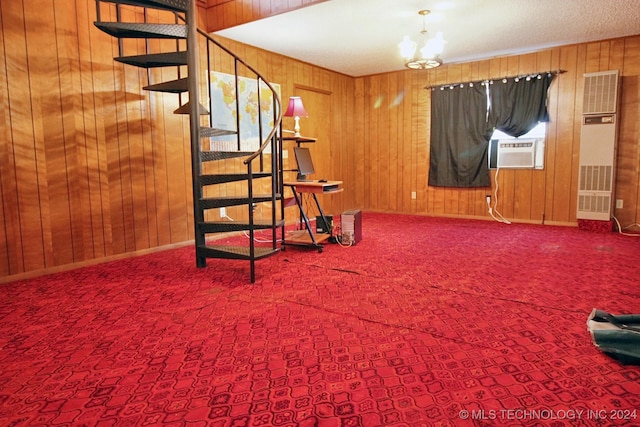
column 488, row 196
column 223, row 212
column 619, row 203
column 285, row 154
column 413, row 195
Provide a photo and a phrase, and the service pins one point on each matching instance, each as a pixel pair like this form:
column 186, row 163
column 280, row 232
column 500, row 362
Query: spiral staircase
column 260, row 171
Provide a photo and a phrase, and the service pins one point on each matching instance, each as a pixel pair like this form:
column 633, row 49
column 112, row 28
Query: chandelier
column 429, row 55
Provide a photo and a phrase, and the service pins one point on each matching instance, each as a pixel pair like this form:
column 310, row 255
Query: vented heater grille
column 594, row 195
column 595, row 178
column 600, row 92
column 595, row 204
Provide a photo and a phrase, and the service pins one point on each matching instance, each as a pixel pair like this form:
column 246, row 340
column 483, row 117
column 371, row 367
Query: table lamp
column 296, row 110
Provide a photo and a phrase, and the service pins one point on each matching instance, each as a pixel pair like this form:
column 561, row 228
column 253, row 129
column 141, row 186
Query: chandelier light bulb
column 431, row 49
column 407, row 47
column 429, row 54
column 439, row 43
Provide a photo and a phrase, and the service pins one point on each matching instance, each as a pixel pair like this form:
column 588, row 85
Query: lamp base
column 296, row 127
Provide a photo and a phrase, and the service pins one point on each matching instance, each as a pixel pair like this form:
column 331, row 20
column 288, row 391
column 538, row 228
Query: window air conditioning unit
column 519, row 153
column 598, row 146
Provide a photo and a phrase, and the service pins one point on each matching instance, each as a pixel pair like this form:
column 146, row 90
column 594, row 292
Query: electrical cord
column 339, row 238
column 309, row 207
column 494, row 211
column 498, row 216
column 255, row 239
column 620, row 229
column 338, row 233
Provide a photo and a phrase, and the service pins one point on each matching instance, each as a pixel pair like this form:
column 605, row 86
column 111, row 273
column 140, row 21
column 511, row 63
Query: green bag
column 617, row 336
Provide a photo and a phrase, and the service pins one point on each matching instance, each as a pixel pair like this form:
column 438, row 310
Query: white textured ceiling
column 360, row 37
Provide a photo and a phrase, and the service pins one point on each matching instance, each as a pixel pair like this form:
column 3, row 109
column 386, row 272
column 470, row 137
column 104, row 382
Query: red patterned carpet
column 425, row 322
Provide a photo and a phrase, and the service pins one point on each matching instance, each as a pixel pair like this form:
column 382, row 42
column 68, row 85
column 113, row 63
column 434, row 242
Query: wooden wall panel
column 628, row 170
column 93, row 144
column 221, row 14
column 8, row 214
column 20, row 174
column 356, row 153
column 4, row 156
column 39, row 106
column 567, row 118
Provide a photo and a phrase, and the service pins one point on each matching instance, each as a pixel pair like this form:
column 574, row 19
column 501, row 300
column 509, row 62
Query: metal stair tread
column 207, row 156
column 207, row 132
column 235, row 252
column 222, row 178
column 219, row 202
column 226, row 226
column 261, row 197
column 154, row 60
column 186, row 109
column 175, row 5
column 218, row 150
column 171, row 86
column 140, row 30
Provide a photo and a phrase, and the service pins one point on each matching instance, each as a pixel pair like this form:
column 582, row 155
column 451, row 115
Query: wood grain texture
column 93, row 167
column 85, row 153
column 221, row 14
column 539, row 196
column 20, row 174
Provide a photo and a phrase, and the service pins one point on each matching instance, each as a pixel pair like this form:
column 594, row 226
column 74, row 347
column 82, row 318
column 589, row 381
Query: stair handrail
column 273, row 138
column 278, row 106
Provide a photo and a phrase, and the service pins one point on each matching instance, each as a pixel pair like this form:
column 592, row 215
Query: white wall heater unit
column 598, row 146
column 517, row 153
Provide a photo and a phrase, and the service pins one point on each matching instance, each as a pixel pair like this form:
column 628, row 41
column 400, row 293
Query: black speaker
column 323, row 228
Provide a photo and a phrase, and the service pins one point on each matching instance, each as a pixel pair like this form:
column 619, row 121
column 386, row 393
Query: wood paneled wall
column 221, row 14
column 328, row 98
column 93, row 167
column 392, row 138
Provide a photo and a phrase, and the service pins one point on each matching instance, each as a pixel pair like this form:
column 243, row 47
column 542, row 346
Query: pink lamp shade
column 296, row 110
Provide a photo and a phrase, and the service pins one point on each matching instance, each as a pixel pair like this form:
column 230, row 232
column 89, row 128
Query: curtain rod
column 520, row 76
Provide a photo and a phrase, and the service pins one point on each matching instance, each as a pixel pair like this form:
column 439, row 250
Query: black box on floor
column 323, row 228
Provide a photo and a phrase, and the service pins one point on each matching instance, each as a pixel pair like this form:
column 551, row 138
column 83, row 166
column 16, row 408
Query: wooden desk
column 299, row 139
column 307, row 237
column 315, row 186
